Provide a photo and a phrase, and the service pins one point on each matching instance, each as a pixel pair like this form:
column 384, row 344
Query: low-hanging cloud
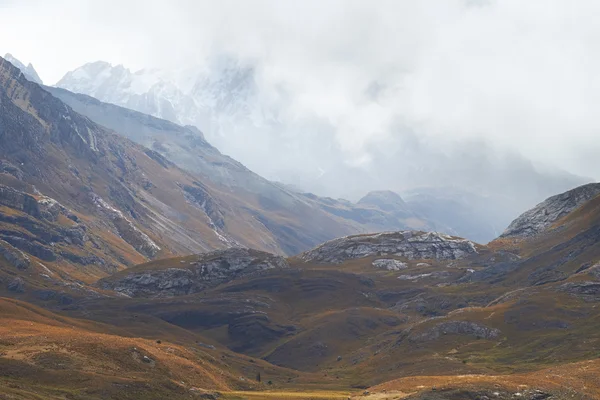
column 378, row 94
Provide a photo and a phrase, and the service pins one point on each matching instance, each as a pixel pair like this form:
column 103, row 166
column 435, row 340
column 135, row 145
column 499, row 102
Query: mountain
column 542, row 216
column 78, row 184
column 466, row 188
column 188, row 97
column 75, row 193
column 452, row 319
column 124, row 276
column 29, row 72
column 408, row 314
column 187, row 147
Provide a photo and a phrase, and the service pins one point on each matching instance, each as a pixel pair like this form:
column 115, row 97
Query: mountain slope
column 315, row 219
column 543, row 215
column 64, row 176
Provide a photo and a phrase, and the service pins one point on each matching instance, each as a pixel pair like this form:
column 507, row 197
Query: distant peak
column 383, row 194
column 29, row 72
column 383, row 199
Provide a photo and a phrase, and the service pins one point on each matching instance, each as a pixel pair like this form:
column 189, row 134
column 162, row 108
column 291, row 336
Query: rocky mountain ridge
column 29, row 71
column 542, row 216
column 408, row 244
column 191, row 274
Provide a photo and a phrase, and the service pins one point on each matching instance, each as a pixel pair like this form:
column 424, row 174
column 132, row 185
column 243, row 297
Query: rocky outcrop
column 32, row 247
column 542, row 216
column 389, row 264
column 410, row 244
column 127, row 230
column 17, row 285
column 456, row 328
column 584, row 289
column 10, row 169
column 184, row 277
column 199, row 195
column 39, row 206
column 19, row 201
column 14, row 256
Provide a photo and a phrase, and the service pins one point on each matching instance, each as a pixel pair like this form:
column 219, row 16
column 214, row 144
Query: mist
column 343, row 97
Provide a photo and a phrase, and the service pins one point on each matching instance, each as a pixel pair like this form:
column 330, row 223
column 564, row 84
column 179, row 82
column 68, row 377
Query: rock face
column 14, row 256
column 549, row 211
column 186, row 276
column 584, row 289
column 389, row 264
column 127, row 230
column 410, row 244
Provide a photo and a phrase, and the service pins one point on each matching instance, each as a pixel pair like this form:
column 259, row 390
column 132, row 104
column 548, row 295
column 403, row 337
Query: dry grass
column 268, row 395
column 566, row 381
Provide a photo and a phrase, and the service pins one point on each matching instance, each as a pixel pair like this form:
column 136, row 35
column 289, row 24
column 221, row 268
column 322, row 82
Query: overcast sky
column 518, row 76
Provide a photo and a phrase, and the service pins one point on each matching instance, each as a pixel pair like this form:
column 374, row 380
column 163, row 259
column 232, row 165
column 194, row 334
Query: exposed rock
column 587, row 289
column 14, row 256
column 127, row 230
column 10, row 169
column 437, row 275
column 32, row 247
column 200, row 196
column 83, row 260
column 207, row 270
column 17, row 285
column 456, row 328
column 389, row 264
column 410, row 244
column 19, row 201
column 549, row 211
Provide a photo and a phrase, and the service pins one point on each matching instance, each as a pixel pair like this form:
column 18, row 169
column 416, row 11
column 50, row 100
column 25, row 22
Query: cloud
column 377, row 93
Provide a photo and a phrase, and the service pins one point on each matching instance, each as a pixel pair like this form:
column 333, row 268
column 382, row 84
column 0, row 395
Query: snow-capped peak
column 29, row 72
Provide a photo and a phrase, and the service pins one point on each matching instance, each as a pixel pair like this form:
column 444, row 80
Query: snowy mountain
column 188, row 97
column 29, row 72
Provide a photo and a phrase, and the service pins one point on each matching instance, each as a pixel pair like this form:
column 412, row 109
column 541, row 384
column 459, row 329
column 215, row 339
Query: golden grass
column 267, row 395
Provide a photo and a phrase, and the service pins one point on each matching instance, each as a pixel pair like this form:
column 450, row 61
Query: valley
column 138, row 262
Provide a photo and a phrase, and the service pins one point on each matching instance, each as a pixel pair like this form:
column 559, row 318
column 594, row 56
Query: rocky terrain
column 549, row 211
column 408, row 244
column 192, row 275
